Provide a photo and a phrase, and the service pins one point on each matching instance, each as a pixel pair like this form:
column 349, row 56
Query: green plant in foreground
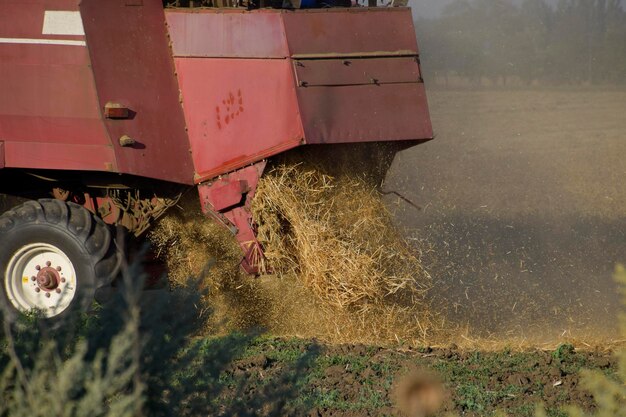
column 137, row 355
column 563, row 352
column 609, row 393
column 75, row 386
column 60, row 374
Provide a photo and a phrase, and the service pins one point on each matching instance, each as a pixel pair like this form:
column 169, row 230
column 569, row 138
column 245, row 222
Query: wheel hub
column 48, row 279
column 40, row 276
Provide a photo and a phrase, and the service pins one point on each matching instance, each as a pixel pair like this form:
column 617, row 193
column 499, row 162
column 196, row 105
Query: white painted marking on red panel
column 62, row 23
column 43, row 41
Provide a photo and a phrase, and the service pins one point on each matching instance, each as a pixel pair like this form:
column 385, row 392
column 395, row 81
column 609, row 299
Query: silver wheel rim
column 40, row 276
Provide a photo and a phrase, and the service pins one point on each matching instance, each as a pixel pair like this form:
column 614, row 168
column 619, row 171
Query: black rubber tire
column 85, row 239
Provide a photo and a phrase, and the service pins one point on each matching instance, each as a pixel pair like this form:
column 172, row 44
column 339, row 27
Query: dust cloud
column 523, row 191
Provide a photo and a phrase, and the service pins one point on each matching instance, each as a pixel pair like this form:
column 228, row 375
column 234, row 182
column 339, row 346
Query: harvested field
column 302, row 378
column 524, row 201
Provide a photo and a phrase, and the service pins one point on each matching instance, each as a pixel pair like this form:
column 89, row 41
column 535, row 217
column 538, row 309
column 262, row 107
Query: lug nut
column 48, row 263
column 38, row 267
column 59, row 268
column 48, row 295
column 58, row 290
column 62, row 279
column 33, row 278
column 37, row 289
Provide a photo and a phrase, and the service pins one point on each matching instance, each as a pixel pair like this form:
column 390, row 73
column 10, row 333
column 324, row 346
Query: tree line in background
column 500, row 42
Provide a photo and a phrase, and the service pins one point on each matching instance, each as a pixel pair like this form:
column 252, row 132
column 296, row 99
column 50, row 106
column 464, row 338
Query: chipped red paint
column 231, row 107
column 268, row 121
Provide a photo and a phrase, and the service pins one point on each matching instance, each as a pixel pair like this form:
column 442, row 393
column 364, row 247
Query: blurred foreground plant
column 64, row 369
column 136, row 355
column 71, row 384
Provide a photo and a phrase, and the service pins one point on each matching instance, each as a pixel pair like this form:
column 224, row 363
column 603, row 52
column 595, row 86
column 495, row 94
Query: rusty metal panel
column 66, row 156
column 354, row 31
column 312, row 72
column 133, row 66
column 226, row 33
column 365, row 113
column 234, row 117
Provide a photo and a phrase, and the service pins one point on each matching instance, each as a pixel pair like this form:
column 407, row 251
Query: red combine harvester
column 110, row 109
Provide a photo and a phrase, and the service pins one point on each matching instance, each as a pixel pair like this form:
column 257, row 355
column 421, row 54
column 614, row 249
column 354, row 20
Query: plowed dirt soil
column 523, row 199
column 272, row 377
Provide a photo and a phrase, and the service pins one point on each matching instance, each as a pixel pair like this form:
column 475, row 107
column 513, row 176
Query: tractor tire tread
column 89, row 230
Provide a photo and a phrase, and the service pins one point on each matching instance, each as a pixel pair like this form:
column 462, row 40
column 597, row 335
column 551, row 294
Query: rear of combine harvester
column 100, row 100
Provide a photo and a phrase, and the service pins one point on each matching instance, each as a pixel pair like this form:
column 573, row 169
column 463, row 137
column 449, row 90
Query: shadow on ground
column 524, row 203
column 172, row 371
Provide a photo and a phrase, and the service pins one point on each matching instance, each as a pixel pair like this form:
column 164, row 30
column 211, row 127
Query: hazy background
column 525, row 41
column 522, row 194
column 433, row 8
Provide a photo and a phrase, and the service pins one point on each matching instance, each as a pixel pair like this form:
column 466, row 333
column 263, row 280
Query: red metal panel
column 59, row 156
column 24, row 19
column 311, row 72
column 50, row 103
column 48, row 92
column 60, row 90
column 237, row 218
column 1, row 155
column 227, row 33
column 52, row 129
column 365, row 113
column 226, row 193
column 238, row 111
column 53, row 56
column 133, row 66
column 349, row 31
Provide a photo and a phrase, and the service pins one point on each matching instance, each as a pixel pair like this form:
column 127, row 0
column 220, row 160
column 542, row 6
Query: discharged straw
column 337, row 236
column 342, row 272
